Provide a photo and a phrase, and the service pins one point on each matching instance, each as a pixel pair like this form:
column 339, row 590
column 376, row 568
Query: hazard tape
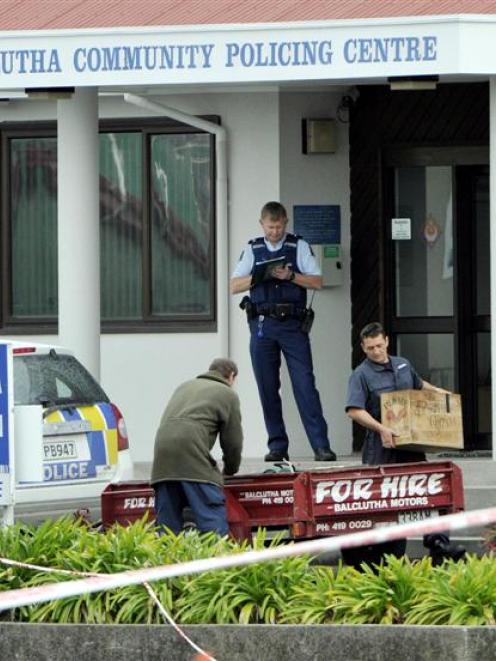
column 25, row 596
column 147, row 586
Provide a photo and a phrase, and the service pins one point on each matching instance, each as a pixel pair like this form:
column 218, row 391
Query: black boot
column 276, row 455
column 442, row 550
column 322, row 454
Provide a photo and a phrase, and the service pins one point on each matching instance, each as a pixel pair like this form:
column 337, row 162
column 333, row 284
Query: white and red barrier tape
column 25, row 596
column 148, row 587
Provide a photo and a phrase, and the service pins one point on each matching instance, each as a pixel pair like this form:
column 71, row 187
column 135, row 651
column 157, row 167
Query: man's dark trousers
column 207, row 502
column 265, row 350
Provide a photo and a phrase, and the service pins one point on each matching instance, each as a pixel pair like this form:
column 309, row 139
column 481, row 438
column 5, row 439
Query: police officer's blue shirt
column 370, row 379
column 305, row 259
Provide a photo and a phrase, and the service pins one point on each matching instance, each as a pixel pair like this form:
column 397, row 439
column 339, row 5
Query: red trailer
column 320, row 502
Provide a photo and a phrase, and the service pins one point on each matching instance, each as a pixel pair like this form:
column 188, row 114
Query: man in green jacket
column 184, row 473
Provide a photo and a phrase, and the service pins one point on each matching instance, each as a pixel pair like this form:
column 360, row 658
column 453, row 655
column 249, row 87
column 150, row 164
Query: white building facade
column 199, row 127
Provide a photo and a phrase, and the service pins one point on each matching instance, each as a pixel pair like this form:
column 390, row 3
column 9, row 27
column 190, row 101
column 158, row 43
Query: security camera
column 354, row 93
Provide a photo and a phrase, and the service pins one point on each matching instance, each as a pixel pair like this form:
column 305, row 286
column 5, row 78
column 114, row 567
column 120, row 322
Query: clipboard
column 263, row 270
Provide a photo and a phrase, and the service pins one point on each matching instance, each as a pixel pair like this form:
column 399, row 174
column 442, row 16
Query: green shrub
column 457, row 593
column 242, row 595
column 311, row 601
column 289, row 590
column 381, row 594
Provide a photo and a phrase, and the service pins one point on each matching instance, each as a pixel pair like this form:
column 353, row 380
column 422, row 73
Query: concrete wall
column 48, row 642
column 140, row 371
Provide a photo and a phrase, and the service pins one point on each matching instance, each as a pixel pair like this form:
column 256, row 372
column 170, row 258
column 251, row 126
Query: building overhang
column 347, row 51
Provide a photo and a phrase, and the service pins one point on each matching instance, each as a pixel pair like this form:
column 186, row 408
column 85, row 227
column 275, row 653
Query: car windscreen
column 54, row 379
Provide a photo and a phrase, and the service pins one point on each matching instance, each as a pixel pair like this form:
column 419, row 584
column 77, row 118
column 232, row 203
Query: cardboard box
column 425, row 420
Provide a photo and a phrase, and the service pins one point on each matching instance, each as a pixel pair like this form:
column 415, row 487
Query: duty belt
column 279, row 311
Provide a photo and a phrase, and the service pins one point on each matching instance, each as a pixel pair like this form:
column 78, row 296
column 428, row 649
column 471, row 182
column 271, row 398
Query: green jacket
column 197, row 412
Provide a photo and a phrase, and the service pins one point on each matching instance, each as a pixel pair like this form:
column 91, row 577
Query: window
column 156, row 228
column 121, row 226
column 33, row 228
column 53, row 379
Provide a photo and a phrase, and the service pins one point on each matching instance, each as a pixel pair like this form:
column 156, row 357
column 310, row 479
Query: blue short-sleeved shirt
column 370, row 379
column 305, row 259
column 365, row 386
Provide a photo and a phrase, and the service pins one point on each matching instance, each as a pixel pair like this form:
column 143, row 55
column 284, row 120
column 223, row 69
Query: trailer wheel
column 373, row 554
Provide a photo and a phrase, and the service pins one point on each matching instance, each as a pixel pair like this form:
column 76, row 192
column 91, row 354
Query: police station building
column 140, row 140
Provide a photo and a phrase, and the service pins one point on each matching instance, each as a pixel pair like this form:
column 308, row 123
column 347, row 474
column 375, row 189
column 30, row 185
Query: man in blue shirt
column 379, row 373
column 278, row 316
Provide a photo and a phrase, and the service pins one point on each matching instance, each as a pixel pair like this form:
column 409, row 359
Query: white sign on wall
column 401, row 229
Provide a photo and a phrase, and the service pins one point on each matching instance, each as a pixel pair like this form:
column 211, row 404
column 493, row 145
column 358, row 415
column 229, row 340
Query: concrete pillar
column 492, row 227
column 78, row 227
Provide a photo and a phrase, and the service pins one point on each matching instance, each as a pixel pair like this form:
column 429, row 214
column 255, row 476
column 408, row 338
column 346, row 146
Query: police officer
column 378, row 373
column 279, row 322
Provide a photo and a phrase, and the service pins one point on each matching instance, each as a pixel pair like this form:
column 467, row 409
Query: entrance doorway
column 437, row 284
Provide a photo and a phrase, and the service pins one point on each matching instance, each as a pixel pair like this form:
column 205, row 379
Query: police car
column 83, row 444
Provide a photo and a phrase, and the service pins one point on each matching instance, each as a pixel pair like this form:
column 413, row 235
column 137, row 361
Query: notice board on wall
column 318, row 223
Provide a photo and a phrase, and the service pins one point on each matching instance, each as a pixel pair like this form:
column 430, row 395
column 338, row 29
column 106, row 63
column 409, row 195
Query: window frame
column 149, row 322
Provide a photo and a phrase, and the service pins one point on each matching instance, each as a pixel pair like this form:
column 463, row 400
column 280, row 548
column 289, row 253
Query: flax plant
column 242, row 595
column 382, row 594
column 311, row 601
column 462, row 593
column 289, row 590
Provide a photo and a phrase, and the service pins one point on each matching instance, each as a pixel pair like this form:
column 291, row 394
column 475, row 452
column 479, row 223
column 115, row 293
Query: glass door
column 437, row 282
column 474, row 349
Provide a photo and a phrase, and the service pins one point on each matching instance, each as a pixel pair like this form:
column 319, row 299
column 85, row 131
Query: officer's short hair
column 274, row 210
column 372, row 330
column 224, row 366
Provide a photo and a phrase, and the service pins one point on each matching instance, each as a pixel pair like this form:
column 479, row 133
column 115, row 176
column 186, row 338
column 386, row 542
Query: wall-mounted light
column 50, row 93
column 346, row 103
column 399, row 83
column 318, row 136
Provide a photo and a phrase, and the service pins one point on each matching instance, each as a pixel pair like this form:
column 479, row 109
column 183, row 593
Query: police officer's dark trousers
column 270, row 337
